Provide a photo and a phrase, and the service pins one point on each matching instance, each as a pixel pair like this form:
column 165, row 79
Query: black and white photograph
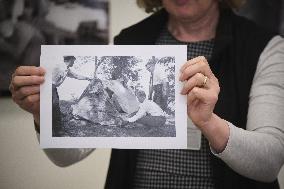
column 127, row 96
column 113, row 96
column 25, row 25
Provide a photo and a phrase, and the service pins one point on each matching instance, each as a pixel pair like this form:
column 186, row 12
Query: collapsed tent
column 98, row 106
column 124, row 97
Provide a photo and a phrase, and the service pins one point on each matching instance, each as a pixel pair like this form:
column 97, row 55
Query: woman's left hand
column 202, row 90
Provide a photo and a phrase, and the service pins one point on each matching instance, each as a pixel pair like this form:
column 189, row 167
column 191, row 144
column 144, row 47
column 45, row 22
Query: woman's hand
column 202, row 90
column 25, row 88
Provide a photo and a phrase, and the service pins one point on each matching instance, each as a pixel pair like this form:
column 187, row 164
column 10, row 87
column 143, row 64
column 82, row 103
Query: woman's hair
column 155, row 5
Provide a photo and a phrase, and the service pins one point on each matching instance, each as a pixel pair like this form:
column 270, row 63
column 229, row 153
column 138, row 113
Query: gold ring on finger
column 204, row 81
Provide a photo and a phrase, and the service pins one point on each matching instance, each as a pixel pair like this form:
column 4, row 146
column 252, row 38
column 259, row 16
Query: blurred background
column 24, row 25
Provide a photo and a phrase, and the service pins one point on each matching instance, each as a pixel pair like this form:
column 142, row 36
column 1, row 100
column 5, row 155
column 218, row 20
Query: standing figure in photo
column 159, row 84
column 149, row 113
column 60, row 72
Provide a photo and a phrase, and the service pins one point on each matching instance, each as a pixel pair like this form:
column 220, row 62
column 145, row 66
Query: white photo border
column 51, row 53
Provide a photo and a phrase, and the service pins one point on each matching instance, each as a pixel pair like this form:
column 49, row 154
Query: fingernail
column 180, row 77
column 42, row 70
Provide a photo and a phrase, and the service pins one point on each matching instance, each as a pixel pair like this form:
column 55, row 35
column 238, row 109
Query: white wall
column 24, row 165
column 124, row 13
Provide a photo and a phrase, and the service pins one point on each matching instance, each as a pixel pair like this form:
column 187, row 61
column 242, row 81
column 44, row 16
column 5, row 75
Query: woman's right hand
column 25, row 88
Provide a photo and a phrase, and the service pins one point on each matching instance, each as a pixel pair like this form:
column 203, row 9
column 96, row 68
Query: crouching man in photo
column 149, row 113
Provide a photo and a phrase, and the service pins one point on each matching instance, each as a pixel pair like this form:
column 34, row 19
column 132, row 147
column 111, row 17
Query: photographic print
column 129, row 94
column 25, row 25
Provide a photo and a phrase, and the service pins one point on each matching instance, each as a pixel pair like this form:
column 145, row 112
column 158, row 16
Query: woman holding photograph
column 234, row 82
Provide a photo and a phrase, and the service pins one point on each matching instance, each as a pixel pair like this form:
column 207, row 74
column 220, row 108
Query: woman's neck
column 195, row 29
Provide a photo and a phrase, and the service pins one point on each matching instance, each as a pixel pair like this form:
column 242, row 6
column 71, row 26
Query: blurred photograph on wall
column 25, row 25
